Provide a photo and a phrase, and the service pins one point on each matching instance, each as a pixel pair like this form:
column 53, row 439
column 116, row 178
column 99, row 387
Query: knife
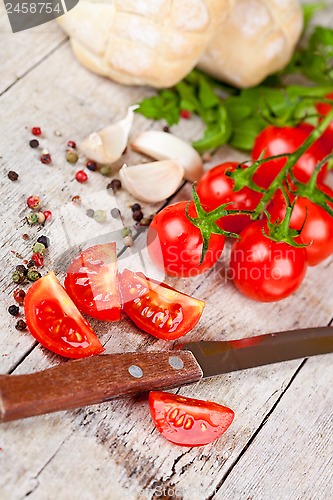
column 96, row 379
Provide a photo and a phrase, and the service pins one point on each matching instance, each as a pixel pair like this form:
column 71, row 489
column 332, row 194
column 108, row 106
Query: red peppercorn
column 71, row 144
column 81, row 176
column 38, row 259
column 36, row 131
column 19, row 295
column 46, row 159
column 47, row 214
column 33, row 202
column 185, row 113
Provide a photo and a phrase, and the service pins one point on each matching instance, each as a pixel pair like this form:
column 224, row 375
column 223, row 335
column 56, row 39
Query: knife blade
column 97, row 379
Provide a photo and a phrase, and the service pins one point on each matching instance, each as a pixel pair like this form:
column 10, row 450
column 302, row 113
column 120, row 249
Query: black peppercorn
column 135, row 207
column 21, row 325
column 31, row 263
column 44, row 240
column 13, row 310
column 13, row 176
column 115, row 184
column 166, row 129
column 137, row 215
column 90, row 212
column 34, row 143
column 21, row 269
column 91, row 165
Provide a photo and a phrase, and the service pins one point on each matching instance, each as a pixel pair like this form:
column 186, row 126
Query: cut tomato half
column 187, row 421
column 92, row 282
column 158, row 309
column 54, row 320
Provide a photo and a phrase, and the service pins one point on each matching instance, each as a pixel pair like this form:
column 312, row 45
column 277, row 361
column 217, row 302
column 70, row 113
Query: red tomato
column 216, row 188
column 175, row 244
column 274, row 141
column 323, row 109
column 56, row 323
column 263, row 269
column 158, row 309
column 187, row 421
column 318, row 226
column 92, row 282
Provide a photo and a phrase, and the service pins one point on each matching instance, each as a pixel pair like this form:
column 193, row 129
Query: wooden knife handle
column 92, row 380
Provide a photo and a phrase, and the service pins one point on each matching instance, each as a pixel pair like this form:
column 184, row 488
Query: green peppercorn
column 32, row 218
column 18, row 277
column 126, row 231
column 38, row 247
column 71, row 156
column 105, row 170
column 99, row 215
column 33, row 275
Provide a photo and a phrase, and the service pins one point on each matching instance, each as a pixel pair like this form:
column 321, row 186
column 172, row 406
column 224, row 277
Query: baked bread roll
column 255, row 39
column 134, row 42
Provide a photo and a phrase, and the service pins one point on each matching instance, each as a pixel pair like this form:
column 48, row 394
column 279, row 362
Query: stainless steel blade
column 226, row 356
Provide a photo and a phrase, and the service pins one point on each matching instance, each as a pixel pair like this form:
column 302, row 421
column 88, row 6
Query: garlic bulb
column 162, row 146
column 107, row 145
column 152, row 182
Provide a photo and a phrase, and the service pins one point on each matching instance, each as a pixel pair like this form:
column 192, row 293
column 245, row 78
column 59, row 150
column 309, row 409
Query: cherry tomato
column 274, row 141
column 318, row 226
column 187, row 421
column 263, row 269
column 216, row 188
column 158, row 309
column 323, row 109
column 56, row 323
column 175, row 244
column 92, row 282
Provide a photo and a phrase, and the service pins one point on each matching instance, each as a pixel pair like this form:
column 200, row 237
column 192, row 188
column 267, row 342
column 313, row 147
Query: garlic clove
column 152, row 182
column 107, row 145
column 162, row 146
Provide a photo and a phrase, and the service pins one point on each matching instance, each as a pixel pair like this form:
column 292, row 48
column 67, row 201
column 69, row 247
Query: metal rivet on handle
column 176, row 362
column 135, row 371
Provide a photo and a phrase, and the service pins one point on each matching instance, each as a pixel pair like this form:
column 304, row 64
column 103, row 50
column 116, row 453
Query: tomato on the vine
column 56, row 323
column 188, row 421
column 318, row 225
column 323, row 109
column 175, row 244
column 274, row 141
column 216, row 188
column 157, row 308
column 92, row 282
column 263, row 269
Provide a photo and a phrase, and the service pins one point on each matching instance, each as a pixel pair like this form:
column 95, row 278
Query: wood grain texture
column 112, row 451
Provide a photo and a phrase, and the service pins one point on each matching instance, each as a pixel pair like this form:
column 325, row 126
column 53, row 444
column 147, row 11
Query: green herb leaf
column 217, row 133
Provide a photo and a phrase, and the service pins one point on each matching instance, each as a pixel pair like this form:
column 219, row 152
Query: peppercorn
column 30, row 264
column 91, row 165
column 21, row 325
column 166, row 129
column 26, row 237
column 71, row 156
column 13, row 176
column 46, row 159
column 76, row 200
column 18, row 277
column 135, row 206
column 115, row 213
column 13, row 310
column 33, row 275
column 38, row 247
column 21, row 269
column 137, row 215
column 100, row 215
column 33, row 202
column 36, row 131
column 32, row 218
column 90, row 212
column 145, row 221
column 105, row 170
column 81, row 176
column 71, row 144
column 126, row 231
column 44, row 240
column 115, row 185
column 38, row 259
column 40, row 217
column 185, row 113
column 19, row 296
column 128, row 241
column 47, row 214
column 34, row 143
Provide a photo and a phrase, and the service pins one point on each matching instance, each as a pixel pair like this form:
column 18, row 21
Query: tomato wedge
column 157, row 308
column 56, row 323
column 92, row 282
column 187, row 421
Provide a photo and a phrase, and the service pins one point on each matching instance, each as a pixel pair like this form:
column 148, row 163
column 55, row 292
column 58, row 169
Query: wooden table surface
column 280, row 444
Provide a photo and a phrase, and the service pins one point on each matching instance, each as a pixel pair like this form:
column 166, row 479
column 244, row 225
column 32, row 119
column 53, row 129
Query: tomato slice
column 56, row 323
column 157, row 308
column 92, row 282
column 187, row 421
